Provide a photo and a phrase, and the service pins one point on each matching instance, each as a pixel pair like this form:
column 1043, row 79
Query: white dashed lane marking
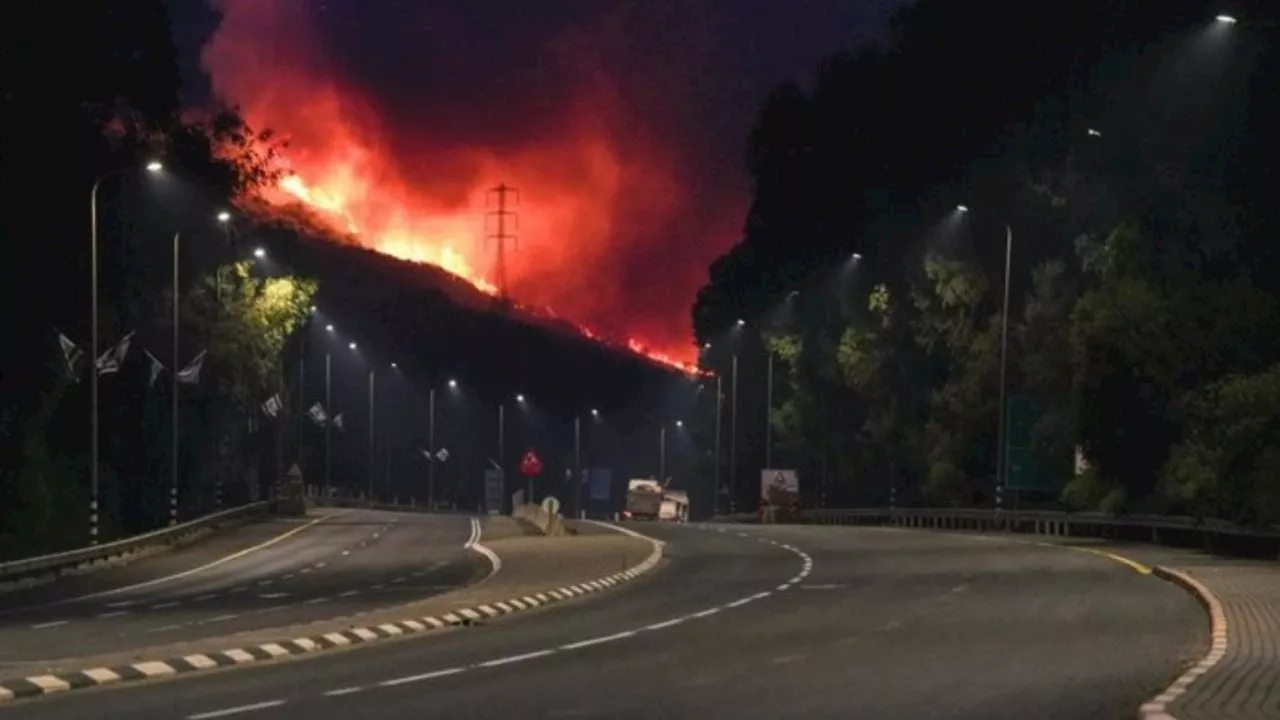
column 513, row 659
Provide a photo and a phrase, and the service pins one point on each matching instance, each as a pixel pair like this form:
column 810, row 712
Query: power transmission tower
column 501, row 224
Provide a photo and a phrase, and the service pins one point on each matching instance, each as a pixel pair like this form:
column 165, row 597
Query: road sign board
column 530, row 465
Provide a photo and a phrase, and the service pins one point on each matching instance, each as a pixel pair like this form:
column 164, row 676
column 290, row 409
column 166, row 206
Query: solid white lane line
column 667, row 624
column 423, row 676
column 220, row 618
column 515, row 658
column 349, row 593
column 220, row 561
column 236, row 710
column 55, row 623
column 163, row 605
column 343, row 691
column 706, row 613
column 116, row 613
column 273, row 596
column 598, row 641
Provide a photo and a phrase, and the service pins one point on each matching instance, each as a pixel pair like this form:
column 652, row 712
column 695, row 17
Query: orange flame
column 433, row 207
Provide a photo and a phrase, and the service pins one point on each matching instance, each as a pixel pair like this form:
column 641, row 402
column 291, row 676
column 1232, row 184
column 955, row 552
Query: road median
column 535, row 572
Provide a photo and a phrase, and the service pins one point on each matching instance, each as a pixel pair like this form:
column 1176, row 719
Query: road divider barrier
column 546, row 522
column 86, row 557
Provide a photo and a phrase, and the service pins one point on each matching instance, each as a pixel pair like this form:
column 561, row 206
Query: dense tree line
column 1122, row 146
column 95, row 100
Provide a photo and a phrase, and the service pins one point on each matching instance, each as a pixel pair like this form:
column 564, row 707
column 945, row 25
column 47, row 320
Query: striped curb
column 1157, row 707
column 37, row 685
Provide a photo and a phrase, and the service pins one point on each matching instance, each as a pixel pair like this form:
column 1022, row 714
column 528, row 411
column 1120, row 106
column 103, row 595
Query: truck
column 644, row 499
column 675, row 506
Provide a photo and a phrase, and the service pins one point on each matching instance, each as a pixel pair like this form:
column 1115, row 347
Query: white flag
column 157, row 367
column 337, row 421
column 272, row 405
column 70, row 353
column 317, row 414
column 113, row 358
column 191, row 373
column 442, row 455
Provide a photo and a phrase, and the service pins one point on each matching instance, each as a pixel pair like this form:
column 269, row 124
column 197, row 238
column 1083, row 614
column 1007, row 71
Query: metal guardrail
column 14, row 569
column 1161, row 529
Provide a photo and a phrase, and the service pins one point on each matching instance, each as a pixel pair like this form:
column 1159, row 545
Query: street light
column 1226, row 19
column 1094, row 133
column 857, row 256
column 152, row 167
column 519, row 398
column 741, row 322
column 595, row 412
column 351, row 345
column 259, row 253
column 453, row 384
column 394, row 366
column 679, row 423
column 224, row 216
column 1001, row 461
column 329, row 327
column 962, row 208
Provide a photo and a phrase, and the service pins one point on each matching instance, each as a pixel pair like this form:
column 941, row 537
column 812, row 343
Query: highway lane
column 349, row 562
column 887, row 624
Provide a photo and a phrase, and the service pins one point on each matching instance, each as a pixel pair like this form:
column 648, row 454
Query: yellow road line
column 220, row 561
column 1132, row 564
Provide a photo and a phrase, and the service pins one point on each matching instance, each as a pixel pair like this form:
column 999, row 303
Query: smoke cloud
column 619, row 124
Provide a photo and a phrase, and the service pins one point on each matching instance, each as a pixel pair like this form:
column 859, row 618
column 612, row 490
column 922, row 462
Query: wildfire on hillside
column 589, row 204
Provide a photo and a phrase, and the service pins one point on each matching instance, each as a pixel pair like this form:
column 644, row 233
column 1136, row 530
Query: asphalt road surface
column 886, row 624
column 261, row 575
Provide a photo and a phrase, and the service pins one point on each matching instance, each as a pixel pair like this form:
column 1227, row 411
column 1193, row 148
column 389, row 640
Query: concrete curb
column 37, row 685
column 1157, row 707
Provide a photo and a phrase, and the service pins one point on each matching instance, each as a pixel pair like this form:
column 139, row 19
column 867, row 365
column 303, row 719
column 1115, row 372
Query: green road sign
column 1026, row 469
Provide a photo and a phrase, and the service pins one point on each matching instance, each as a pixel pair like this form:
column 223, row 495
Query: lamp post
column 153, row 167
column 733, row 438
column 173, row 476
column 372, row 436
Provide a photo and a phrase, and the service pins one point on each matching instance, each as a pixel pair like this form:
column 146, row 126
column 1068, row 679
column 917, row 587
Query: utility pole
column 577, row 462
column 733, row 439
column 662, row 455
column 719, row 413
column 768, row 415
column 500, row 226
column 431, row 447
column 372, row 436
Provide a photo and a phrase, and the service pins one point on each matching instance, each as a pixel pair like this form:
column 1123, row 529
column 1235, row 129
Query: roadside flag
column 113, row 358
column 317, row 414
column 337, row 421
column 157, row 367
column 272, row 405
column 70, row 353
column 191, row 373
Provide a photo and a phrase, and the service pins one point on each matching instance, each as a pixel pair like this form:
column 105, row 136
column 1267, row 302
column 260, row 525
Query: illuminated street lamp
column 453, row 384
column 156, row 166
column 224, row 216
column 259, row 253
column 1226, row 19
column 329, row 327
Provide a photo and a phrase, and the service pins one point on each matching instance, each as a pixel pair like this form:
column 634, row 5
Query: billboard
column 493, row 492
column 779, row 487
column 599, row 483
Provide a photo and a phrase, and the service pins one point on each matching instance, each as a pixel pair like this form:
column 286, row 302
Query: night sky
column 622, row 123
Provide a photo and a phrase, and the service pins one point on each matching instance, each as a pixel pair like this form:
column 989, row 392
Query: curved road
column 883, row 624
column 260, row 575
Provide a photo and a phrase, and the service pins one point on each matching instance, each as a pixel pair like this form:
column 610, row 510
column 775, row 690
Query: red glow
column 580, row 195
